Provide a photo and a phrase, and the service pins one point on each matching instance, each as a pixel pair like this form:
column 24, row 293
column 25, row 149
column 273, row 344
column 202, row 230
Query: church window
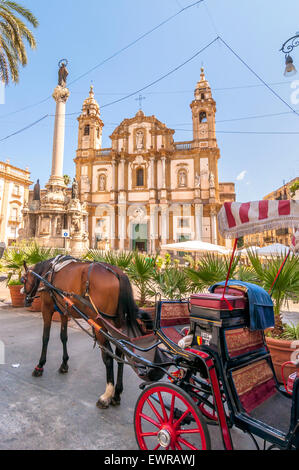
column 140, row 177
column 87, row 129
column 202, row 116
column 88, row 112
column 98, row 133
column 202, row 96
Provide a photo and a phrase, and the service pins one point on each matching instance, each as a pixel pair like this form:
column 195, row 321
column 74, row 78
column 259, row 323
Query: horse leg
column 38, row 371
column 105, row 399
column 63, row 336
column 119, row 383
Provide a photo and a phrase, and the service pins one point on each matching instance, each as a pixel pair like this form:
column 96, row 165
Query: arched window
column 202, row 116
column 202, row 96
column 140, row 177
column 87, row 129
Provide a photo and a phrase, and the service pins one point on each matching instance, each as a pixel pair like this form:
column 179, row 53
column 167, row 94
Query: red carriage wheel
column 166, row 418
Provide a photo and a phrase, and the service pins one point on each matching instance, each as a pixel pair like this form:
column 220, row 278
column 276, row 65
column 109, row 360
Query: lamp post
column 286, row 48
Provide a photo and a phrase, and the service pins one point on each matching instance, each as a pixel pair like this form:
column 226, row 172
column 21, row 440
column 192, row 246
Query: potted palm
column 281, row 338
column 140, row 271
column 12, row 263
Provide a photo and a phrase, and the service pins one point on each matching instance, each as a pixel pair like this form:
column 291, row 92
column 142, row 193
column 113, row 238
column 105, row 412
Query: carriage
column 206, row 362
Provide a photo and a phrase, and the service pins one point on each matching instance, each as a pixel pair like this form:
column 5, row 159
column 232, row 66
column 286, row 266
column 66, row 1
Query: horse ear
column 25, row 266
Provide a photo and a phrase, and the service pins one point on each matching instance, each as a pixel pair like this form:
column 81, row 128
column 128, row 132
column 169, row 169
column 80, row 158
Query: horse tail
column 127, row 306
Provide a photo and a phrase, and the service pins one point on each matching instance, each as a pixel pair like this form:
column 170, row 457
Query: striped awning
column 238, row 219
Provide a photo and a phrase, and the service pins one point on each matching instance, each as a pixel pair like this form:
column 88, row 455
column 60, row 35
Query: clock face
column 203, row 131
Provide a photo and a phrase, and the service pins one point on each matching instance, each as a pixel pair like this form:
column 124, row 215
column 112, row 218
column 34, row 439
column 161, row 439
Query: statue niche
column 139, row 140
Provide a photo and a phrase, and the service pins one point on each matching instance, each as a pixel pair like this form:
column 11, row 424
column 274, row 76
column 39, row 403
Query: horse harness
column 49, row 276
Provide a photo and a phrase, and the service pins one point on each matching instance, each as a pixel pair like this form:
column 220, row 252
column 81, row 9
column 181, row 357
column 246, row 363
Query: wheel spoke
column 157, row 447
column 154, row 410
column 150, row 420
column 171, row 409
column 176, row 424
column 186, row 443
column 163, row 407
column 178, row 447
column 146, row 434
column 188, row 431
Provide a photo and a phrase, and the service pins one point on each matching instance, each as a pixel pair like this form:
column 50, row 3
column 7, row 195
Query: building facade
column 283, row 235
column 147, row 190
column 14, row 190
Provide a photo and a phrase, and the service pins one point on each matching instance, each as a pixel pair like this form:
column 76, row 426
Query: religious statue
column 76, row 224
column 212, row 180
column 182, row 178
column 36, row 191
column 75, row 189
column 102, row 183
column 139, row 140
column 197, row 180
column 59, row 227
column 62, row 73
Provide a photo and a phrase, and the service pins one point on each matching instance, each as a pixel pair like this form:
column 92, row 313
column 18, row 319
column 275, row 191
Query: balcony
column 103, row 152
column 16, row 220
column 183, row 146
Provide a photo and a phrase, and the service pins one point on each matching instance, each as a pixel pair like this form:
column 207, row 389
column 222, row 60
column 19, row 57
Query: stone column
column 198, row 221
column 153, row 227
column 214, row 226
column 60, row 95
column 163, row 159
column 121, row 175
column 122, row 226
column 164, row 226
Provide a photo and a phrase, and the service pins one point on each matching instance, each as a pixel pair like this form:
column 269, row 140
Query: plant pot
column 36, row 305
column 17, row 298
column 281, row 352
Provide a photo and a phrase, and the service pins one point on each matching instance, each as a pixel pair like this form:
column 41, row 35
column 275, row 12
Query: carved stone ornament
column 61, row 94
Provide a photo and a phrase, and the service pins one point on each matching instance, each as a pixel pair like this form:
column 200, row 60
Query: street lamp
column 286, row 48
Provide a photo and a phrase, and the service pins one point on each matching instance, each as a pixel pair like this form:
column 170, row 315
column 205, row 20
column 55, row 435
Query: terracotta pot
column 36, row 305
column 17, row 299
column 281, row 352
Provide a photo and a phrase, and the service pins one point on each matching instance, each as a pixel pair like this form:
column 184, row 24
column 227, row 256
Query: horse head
column 30, row 283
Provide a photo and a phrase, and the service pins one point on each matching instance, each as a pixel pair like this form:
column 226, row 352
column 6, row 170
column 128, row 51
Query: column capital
column 61, row 94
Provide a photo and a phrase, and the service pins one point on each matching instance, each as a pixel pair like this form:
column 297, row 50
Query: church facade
column 148, row 190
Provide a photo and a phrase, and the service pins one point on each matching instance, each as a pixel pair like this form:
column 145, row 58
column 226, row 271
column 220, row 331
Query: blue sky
column 86, row 33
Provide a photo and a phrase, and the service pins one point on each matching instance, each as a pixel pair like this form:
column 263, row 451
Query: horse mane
column 42, row 266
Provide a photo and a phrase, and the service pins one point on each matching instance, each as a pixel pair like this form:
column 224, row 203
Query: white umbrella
column 196, row 246
column 243, row 252
column 273, row 250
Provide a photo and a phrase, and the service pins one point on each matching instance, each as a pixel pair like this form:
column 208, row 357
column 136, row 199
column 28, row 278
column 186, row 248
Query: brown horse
column 110, row 291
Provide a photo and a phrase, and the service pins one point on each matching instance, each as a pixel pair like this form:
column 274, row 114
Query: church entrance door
column 139, row 237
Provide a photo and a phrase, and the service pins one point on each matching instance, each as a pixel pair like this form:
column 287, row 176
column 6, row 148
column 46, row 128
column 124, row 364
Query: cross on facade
column 140, row 99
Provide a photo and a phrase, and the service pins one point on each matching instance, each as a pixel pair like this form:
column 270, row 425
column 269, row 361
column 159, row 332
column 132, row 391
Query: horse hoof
column 115, row 401
column 102, row 404
column 63, row 369
column 37, row 373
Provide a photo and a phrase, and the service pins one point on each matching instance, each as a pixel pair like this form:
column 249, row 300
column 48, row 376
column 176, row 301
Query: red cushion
column 230, row 291
column 215, row 301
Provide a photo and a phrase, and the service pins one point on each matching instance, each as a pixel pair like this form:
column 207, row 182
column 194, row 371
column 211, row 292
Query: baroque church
column 148, row 190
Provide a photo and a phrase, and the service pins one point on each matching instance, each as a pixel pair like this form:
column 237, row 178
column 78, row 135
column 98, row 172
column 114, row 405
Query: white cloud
column 241, row 176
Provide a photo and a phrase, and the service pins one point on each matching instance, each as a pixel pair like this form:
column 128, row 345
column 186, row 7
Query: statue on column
column 36, row 191
column 75, row 189
column 62, row 73
column 212, row 180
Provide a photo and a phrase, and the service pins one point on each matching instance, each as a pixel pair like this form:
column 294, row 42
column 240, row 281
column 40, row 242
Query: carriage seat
column 173, row 319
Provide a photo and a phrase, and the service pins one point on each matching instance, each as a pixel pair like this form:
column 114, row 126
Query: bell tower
column 90, row 125
column 203, row 114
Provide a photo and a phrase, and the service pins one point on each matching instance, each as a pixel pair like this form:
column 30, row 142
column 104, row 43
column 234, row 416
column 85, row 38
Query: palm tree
column 13, row 35
column 141, row 271
column 286, row 286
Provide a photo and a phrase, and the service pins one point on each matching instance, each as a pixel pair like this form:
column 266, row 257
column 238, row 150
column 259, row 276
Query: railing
column 183, row 146
column 103, row 152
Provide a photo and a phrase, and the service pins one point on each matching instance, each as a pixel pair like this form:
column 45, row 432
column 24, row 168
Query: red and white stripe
column 238, row 219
